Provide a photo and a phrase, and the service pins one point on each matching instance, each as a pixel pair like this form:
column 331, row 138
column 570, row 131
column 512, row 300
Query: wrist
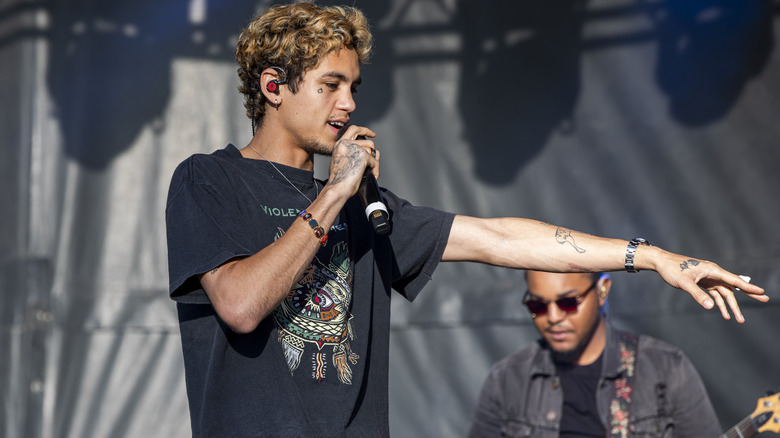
column 319, row 232
column 636, row 255
column 334, row 196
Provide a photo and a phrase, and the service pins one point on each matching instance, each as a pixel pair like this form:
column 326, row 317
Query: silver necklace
column 316, row 186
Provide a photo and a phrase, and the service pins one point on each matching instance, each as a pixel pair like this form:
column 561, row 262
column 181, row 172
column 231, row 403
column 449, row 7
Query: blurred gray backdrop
column 623, row 118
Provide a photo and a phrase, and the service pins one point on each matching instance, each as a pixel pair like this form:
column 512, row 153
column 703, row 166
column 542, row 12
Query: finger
column 354, row 131
column 737, row 282
column 373, row 161
column 742, row 284
column 750, row 290
column 698, row 294
column 762, row 298
column 720, row 303
column 375, row 154
column 362, row 130
column 368, row 146
column 362, row 142
column 732, row 301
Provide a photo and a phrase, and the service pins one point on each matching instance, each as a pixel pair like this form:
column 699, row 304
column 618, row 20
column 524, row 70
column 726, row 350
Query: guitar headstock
column 766, row 417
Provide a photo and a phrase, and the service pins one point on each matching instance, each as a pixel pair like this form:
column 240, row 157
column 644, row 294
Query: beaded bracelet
column 319, row 232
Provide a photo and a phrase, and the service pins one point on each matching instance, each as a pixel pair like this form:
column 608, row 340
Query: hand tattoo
column 563, row 235
column 348, row 161
column 688, row 264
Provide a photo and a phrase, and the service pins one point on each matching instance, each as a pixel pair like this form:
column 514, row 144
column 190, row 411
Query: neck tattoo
column 285, row 178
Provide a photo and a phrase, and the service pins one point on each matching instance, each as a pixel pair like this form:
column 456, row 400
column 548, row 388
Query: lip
column 335, row 129
column 559, row 335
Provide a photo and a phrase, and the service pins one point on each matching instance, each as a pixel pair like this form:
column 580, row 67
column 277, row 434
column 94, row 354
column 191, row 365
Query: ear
column 271, row 81
column 603, row 288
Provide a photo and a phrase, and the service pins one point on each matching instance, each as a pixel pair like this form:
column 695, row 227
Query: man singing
column 281, row 284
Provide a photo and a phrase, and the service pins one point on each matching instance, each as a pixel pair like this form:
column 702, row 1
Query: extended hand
column 706, row 281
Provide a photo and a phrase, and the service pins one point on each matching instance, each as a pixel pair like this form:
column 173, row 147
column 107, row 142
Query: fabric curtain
column 613, row 117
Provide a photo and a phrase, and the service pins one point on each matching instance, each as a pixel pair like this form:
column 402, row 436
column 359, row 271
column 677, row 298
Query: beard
column 317, row 147
column 567, row 357
column 572, row 355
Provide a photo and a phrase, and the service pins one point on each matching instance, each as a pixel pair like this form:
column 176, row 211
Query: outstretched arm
column 528, row 244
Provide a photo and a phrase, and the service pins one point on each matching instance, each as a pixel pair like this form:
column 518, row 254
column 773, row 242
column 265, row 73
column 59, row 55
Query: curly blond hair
column 296, row 38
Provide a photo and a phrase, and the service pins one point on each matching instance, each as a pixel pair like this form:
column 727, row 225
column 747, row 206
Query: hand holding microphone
column 371, row 197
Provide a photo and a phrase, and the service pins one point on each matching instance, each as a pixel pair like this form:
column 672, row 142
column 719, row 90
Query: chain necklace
column 285, row 178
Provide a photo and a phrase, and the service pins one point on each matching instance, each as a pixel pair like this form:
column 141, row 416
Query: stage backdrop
column 621, row 118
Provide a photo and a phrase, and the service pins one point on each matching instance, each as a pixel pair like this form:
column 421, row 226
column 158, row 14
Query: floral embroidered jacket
column 522, row 396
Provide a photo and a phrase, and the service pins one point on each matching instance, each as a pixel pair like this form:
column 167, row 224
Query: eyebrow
column 559, row 295
column 341, row 77
column 568, row 292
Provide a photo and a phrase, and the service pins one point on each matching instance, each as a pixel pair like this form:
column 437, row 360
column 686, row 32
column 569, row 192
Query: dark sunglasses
column 568, row 305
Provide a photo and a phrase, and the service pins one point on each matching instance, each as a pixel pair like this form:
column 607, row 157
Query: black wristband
column 631, row 251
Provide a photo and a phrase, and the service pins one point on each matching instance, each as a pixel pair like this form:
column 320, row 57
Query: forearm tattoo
column 688, row 264
column 214, row 271
column 563, row 235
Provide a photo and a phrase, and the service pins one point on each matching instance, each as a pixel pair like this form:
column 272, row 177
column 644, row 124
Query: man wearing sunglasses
column 586, row 378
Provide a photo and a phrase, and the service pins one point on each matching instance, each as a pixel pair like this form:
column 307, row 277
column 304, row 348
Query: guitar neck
column 763, row 419
column 744, row 429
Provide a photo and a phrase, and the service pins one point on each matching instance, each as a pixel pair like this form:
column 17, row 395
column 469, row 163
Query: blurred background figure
column 584, row 377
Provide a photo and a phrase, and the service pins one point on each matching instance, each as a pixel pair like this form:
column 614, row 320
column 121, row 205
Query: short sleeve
column 418, row 237
column 203, row 224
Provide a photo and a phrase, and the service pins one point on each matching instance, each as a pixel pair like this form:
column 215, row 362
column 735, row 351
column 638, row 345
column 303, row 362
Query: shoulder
column 646, row 344
column 516, row 373
column 663, row 359
column 209, row 172
column 520, row 362
column 198, row 165
column 208, row 169
column 655, row 346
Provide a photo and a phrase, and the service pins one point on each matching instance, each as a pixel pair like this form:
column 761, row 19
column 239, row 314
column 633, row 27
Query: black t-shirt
column 318, row 365
column 580, row 416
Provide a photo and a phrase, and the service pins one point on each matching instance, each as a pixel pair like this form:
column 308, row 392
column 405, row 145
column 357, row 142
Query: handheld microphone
column 370, row 196
column 376, row 210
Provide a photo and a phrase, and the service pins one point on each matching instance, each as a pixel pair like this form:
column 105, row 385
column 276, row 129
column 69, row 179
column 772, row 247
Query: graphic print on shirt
column 316, row 312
